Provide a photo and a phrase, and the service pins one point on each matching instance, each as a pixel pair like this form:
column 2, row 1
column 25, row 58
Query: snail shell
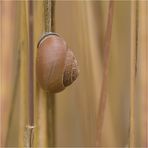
column 56, row 64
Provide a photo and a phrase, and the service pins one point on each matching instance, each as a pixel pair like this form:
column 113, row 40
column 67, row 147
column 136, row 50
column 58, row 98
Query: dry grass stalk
column 46, row 101
column 142, row 69
column 23, row 74
column 103, row 97
column 133, row 70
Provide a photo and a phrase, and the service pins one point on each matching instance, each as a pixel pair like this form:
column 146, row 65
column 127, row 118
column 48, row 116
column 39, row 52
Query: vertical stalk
column 134, row 45
column 103, row 95
column 51, row 98
column 23, row 74
column 46, row 100
column 49, row 7
column 30, row 127
column 142, row 76
column 53, row 15
column 47, row 14
column 31, row 72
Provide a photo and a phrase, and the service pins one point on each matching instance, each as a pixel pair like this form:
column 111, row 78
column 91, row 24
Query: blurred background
column 82, row 24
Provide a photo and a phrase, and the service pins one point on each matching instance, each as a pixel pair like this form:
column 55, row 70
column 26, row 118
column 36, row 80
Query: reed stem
column 103, row 95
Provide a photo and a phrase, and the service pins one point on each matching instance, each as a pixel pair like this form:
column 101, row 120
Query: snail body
column 56, row 64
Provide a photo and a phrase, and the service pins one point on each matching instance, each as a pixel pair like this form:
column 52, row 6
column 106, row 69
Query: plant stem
column 31, row 56
column 49, row 13
column 30, row 128
column 134, row 49
column 52, row 15
column 103, row 95
column 49, row 6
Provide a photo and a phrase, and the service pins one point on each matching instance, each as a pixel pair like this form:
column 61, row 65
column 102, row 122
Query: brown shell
column 56, row 65
column 71, row 71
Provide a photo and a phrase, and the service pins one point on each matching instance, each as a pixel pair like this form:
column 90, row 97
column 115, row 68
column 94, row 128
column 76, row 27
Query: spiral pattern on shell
column 56, row 64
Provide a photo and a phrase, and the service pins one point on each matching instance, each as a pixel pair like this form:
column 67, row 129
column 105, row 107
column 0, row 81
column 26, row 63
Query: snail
column 56, row 64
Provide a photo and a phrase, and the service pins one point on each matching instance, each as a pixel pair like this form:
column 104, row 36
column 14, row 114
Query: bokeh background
column 83, row 25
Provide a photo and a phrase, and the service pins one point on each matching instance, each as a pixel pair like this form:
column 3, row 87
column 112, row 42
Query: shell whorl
column 71, row 71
